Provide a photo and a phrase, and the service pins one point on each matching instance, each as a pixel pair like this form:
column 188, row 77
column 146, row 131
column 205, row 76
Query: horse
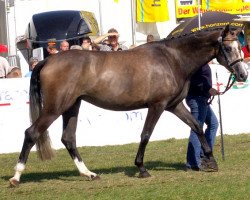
column 154, row 75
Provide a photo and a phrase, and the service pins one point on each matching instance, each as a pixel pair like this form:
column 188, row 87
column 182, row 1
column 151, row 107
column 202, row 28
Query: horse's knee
column 30, row 136
column 68, row 142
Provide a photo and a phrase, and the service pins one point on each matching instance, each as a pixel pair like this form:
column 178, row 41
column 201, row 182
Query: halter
column 231, row 79
column 224, row 54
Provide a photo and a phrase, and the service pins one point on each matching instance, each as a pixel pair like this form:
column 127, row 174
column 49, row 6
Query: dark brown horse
column 154, row 76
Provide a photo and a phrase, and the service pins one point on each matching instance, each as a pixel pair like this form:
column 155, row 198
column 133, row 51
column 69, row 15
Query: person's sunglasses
column 112, row 37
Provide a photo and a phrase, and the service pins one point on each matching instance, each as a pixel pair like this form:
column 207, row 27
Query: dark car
column 56, row 26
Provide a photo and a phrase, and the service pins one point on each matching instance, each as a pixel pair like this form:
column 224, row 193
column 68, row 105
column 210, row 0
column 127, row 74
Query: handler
column 197, row 99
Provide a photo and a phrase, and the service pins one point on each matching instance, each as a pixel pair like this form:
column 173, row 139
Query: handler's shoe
column 206, row 166
column 202, row 168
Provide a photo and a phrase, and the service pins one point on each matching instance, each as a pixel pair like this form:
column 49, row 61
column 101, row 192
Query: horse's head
column 229, row 54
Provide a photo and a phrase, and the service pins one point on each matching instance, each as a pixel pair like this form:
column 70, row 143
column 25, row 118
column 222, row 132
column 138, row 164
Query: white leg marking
column 19, row 169
column 83, row 169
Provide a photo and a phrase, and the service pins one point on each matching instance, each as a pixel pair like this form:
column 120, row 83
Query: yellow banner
column 185, row 9
column 229, row 6
column 152, row 10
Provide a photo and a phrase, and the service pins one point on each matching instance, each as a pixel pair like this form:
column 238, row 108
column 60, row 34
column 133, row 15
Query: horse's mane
column 196, row 34
column 179, row 39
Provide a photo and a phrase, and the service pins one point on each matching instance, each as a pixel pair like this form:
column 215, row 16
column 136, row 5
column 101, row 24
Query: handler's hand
column 213, row 92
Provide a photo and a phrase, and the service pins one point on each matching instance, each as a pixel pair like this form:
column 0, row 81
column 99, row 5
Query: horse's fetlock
column 145, row 138
column 138, row 164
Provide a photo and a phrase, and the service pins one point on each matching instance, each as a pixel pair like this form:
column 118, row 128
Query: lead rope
column 230, row 83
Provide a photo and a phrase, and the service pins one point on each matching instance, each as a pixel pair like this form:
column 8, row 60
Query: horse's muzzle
column 240, row 72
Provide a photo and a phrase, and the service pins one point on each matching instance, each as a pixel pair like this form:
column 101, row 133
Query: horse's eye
column 228, row 49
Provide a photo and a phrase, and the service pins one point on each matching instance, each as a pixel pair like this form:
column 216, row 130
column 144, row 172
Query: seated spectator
column 150, row 38
column 86, row 43
column 76, row 47
column 5, row 67
column 15, row 73
column 246, row 50
column 64, row 45
column 51, row 48
column 32, row 63
column 112, row 43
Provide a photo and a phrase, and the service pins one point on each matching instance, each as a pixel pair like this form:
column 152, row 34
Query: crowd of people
column 106, row 42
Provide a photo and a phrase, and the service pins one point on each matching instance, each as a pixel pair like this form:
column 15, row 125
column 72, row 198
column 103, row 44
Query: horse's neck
column 197, row 50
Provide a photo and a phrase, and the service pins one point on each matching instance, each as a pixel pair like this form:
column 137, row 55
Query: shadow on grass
column 129, row 171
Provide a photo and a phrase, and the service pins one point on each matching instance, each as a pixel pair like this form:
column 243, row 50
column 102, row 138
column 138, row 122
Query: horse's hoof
column 13, row 182
column 93, row 178
column 144, row 174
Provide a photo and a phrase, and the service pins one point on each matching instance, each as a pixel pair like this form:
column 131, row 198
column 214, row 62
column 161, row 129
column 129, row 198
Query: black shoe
column 207, row 166
column 202, row 168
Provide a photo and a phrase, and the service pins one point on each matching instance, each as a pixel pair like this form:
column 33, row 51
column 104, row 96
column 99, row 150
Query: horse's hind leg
column 153, row 116
column 181, row 112
column 31, row 137
column 69, row 139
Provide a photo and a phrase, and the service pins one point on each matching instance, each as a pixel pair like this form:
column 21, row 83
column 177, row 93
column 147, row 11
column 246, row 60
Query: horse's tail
column 43, row 144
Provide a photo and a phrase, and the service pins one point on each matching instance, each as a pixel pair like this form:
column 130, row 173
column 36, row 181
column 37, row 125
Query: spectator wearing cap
column 51, row 48
column 112, row 43
column 32, row 63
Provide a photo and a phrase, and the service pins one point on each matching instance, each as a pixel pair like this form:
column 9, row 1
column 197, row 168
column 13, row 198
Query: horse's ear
column 225, row 31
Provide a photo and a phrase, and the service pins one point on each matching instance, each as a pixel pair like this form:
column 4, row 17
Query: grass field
column 165, row 160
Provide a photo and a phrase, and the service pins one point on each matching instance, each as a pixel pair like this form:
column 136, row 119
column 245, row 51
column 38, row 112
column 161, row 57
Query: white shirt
column 5, row 67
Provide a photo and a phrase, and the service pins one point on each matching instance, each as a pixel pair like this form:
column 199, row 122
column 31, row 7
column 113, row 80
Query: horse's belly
column 118, row 104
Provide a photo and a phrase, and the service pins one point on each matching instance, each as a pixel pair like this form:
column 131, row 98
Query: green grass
column 165, row 160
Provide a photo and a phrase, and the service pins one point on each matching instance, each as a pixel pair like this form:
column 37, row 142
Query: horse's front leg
column 182, row 112
column 69, row 140
column 154, row 113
